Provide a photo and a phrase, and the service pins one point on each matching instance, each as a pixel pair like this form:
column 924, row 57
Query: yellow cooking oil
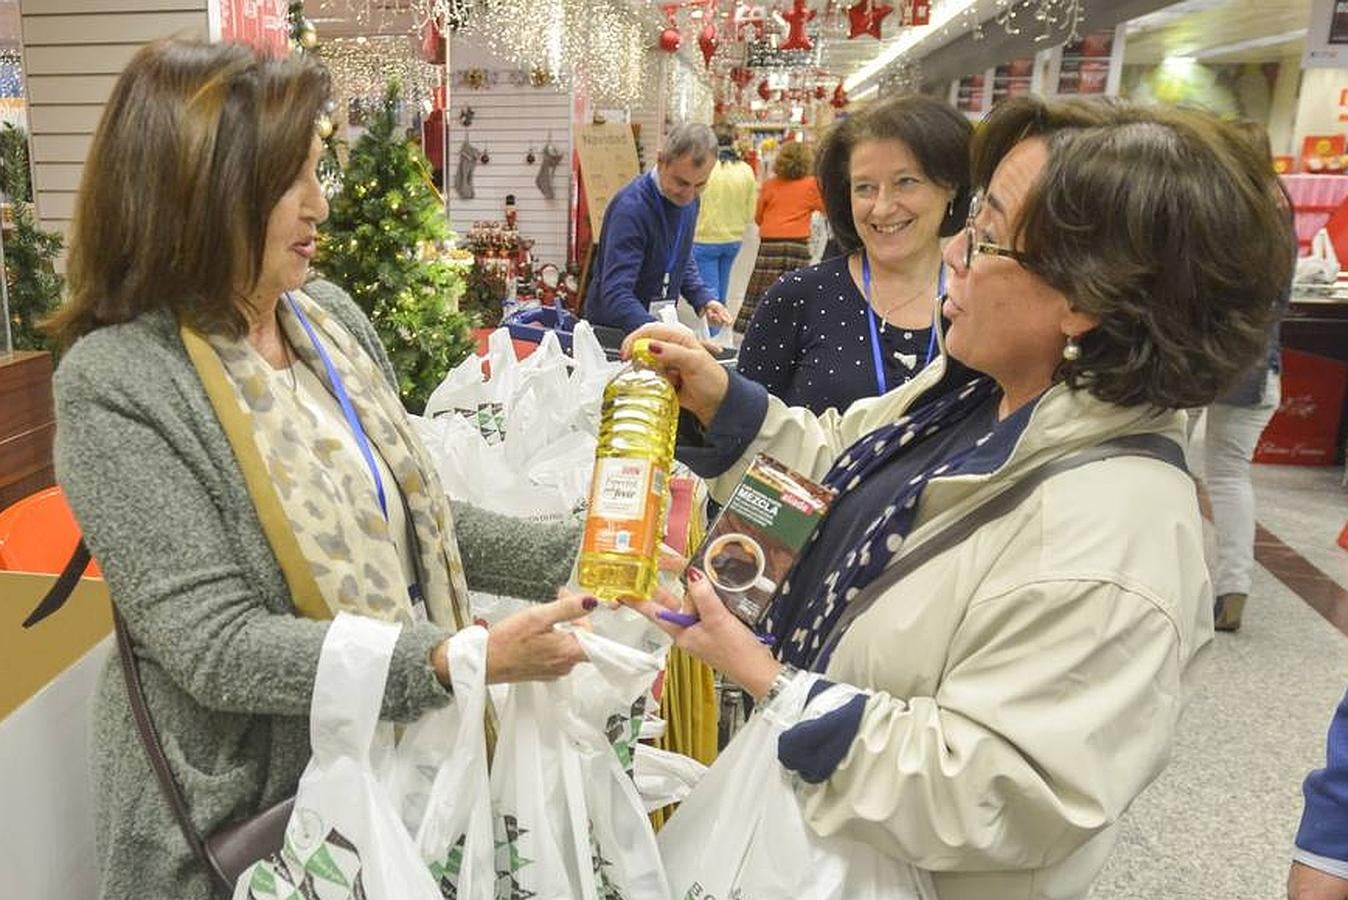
column 629, row 496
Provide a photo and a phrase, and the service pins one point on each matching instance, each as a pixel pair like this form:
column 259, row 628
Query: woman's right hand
column 525, row 646
column 701, row 381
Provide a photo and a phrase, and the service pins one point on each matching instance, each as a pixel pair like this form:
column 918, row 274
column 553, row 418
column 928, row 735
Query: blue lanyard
column 344, row 399
column 877, row 354
column 673, row 254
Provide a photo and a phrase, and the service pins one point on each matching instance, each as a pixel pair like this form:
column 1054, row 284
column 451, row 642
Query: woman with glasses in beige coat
column 1010, row 696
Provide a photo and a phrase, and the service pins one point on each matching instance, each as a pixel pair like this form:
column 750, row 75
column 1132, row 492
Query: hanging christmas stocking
column 463, row 174
column 551, row 157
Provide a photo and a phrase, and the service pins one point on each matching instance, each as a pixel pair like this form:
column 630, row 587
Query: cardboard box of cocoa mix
column 758, row 535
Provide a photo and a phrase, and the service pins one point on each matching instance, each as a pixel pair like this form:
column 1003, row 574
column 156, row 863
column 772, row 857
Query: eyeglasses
column 973, row 246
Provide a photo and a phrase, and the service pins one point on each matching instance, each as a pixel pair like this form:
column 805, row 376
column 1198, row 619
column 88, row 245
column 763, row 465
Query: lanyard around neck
column 343, row 398
column 877, row 352
column 673, row 255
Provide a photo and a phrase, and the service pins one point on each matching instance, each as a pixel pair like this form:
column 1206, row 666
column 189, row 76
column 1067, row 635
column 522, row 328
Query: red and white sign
column 1305, row 429
column 263, row 23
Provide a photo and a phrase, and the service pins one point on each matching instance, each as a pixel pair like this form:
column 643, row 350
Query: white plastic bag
column 442, row 786
column 663, row 777
column 521, row 442
column 569, row 822
column 345, row 840
column 1321, row 266
column 763, row 847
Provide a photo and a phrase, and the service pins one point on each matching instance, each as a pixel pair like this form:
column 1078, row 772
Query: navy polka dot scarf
column 800, row 629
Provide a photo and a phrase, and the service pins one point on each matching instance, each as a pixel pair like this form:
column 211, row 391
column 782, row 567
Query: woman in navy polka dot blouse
column 895, row 180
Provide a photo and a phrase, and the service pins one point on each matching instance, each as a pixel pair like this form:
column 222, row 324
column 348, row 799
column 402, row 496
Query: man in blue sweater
column 1320, row 867
column 645, row 246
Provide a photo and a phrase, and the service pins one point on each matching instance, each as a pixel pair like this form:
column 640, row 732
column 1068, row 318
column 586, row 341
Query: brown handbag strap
column 149, row 738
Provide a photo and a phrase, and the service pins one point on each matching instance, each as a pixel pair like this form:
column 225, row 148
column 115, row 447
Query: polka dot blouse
column 809, row 342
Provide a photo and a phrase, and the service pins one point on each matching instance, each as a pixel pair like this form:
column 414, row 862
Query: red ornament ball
column 670, row 40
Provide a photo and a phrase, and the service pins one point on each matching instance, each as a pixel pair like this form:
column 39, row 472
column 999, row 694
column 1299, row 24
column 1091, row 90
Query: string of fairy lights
column 361, row 67
column 602, row 46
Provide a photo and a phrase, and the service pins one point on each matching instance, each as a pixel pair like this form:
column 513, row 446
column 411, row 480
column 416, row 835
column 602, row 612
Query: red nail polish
column 694, row 575
column 657, row 349
column 589, row 603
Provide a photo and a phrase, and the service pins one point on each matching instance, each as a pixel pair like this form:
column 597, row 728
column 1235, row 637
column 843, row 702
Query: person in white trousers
column 1234, row 423
column 1232, row 433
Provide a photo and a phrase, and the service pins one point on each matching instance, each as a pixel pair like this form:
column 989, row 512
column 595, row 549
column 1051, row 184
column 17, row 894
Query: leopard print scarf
column 328, row 495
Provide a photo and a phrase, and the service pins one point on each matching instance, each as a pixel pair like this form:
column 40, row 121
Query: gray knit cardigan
column 228, row 667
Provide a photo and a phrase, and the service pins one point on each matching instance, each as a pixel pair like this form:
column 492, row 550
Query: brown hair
column 197, row 144
column 1255, row 135
column 1163, row 225
column 793, row 161
column 932, row 130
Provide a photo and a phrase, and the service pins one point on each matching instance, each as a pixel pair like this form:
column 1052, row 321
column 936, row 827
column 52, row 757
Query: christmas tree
column 385, row 242
column 34, row 287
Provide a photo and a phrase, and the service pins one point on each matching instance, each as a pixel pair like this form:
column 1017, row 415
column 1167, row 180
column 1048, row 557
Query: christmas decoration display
column 707, row 43
column 865, row 16
column 501, row 258
column 479, row 79
column 304, row 40
column 552, row 157
column 384, row 242
column 598, row 45
column 463, row 173
column 670, row 38
column 748, row 15
column 361, row 66
column 797, row 17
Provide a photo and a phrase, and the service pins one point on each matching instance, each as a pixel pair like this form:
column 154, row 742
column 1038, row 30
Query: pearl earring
column 1071, row 351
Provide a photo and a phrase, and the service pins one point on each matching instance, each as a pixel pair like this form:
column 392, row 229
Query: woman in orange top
column 783, row 217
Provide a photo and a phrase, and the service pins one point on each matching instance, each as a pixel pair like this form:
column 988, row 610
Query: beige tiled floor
column 1220, row 820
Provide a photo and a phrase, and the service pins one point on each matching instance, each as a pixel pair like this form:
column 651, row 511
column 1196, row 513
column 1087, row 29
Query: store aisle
column 1220, row 821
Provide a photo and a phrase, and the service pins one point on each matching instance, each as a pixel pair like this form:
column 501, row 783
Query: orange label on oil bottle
column 624, row 515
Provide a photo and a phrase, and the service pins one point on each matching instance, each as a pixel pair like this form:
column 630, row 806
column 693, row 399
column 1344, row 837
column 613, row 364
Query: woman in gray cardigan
column 235, row 452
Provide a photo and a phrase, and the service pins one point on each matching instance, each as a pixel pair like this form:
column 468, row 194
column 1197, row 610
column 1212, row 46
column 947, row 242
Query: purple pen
column 683, row 620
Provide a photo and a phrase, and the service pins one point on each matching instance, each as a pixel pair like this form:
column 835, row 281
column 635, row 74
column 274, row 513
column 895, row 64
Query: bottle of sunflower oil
column 629, row 497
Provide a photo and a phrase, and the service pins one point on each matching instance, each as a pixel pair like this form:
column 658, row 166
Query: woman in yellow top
column 727, row 209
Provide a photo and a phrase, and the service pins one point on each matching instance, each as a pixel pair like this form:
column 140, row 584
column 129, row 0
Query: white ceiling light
column 942, row 15
column 1269, row 40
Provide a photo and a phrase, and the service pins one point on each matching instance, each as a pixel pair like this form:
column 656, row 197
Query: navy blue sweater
column 809, row 341
column 644, row 235
column 1324, row 821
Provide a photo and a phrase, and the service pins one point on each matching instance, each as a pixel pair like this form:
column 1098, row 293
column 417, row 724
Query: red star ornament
column 864, row 17
column 796, row 38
